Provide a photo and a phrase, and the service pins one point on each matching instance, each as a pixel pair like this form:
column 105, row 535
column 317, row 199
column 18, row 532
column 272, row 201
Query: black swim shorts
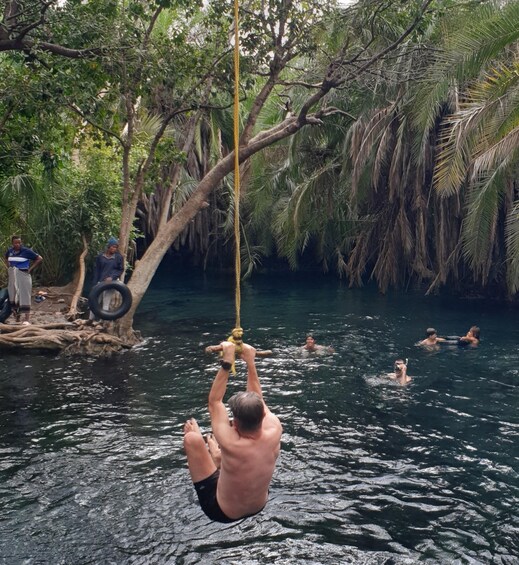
column 206, row 491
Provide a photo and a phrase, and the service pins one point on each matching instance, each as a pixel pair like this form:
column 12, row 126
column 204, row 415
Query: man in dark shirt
column 20, row 261
column 109, row 266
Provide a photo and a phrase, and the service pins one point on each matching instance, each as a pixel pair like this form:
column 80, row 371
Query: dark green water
column 91, row 461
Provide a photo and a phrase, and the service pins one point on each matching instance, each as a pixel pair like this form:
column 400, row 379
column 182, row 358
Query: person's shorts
column 206, row 491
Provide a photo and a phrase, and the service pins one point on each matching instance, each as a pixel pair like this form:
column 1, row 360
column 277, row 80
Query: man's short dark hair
column 15, row 237
column 429, row 332
column 475, row 331
column 247, row 407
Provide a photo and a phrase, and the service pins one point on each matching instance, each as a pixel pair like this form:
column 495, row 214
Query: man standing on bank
column 232, row 473
column 20, row 261
column 109, row 266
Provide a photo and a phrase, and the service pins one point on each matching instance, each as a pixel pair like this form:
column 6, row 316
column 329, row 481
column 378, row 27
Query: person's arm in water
column 219, row 417
column 472, row 340
column 469, row 339
column 403, row 378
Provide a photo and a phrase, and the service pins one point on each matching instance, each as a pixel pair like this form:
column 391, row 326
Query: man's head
column 399, row 365
column 430, row 332
column 475, row 331
column 248, row 410
column 112, row 245
column 16, row 242
column 310, row 342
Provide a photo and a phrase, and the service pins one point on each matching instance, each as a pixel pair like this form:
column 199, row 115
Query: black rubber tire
column 451, row 340
column 95, row 307
column 5, row 310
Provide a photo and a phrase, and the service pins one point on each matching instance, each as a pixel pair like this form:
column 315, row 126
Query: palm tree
column 359, row 191
column 479, row 139
column 349, row 191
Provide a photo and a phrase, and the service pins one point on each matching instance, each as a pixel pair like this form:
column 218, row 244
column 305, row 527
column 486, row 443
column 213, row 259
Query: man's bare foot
column 192, row 426
column 214, row 449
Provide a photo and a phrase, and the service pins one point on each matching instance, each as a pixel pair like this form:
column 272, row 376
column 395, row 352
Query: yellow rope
column 237, row 256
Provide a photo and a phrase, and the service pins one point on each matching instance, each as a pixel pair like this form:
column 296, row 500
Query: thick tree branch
column 83, row 116
column 21, row 44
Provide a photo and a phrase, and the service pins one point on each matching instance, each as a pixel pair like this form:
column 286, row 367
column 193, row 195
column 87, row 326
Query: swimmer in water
column 311, row 347
column 432, row 340
column 400, row 373
column 472, row 337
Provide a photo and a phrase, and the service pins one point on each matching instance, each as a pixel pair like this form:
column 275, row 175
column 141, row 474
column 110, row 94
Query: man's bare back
column 247, row 468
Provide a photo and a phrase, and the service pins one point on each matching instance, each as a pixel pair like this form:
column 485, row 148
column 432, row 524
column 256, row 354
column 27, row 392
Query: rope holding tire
column 120, row 311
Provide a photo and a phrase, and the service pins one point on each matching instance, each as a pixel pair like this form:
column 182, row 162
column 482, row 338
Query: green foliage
column 353, row 194
column 367, row 189
column 53, row 214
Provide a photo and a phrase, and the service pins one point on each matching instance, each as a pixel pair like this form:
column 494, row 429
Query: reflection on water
column 92, row 469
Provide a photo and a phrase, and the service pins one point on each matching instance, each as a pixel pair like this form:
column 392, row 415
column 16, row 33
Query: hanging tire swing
column 97, row 309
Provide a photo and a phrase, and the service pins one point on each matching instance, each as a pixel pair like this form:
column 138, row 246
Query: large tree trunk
column 79, row 282
column 146, row 267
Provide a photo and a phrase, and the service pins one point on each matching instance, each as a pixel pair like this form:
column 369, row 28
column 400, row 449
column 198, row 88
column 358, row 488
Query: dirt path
column 51, row 309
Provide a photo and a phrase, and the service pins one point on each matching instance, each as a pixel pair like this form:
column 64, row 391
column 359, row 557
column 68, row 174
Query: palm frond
column 480, row 221
column 183, row 191
column 374, row 129
column 148, row 125
column 452, row 163
column 512, row 248
column 468, row 48
column 499, row 154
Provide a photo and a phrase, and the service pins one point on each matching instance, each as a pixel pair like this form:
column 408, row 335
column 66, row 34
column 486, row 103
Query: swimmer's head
column 475, row 331
column 429, row 332
column 310, row 342
column 248, row 410
column 399, row 364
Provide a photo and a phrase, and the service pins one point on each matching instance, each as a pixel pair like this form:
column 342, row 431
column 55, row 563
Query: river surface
column 91, row 462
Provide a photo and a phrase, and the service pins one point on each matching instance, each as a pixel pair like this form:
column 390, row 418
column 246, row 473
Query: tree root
column 69, row 338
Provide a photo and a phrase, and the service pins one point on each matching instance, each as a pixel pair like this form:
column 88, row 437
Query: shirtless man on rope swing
column 232, row 473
